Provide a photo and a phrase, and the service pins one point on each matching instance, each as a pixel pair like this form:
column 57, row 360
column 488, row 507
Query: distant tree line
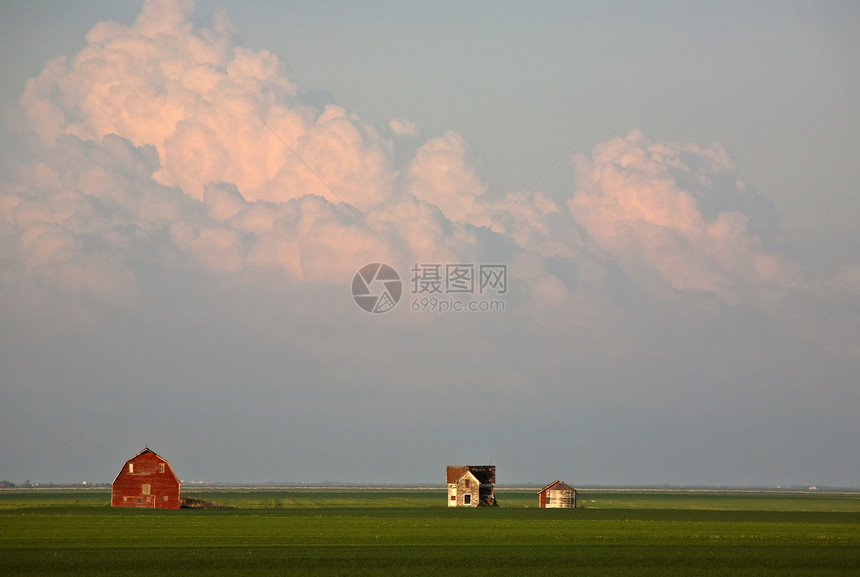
column 10, row 485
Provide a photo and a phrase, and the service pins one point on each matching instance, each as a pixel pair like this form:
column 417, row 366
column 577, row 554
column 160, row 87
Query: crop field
column 411, row 532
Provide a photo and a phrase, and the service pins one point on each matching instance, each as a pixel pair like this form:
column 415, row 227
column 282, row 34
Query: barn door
column 146, row 494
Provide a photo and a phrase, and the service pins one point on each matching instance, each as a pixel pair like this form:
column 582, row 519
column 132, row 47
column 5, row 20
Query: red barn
column 146, row 480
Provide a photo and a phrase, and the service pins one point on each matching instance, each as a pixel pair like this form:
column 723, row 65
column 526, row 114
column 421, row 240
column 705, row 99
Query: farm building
column 557, row 495
column 146, row 480
column 471, row 485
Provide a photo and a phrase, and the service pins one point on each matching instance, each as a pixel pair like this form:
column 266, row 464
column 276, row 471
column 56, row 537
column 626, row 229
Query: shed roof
column 557, row 486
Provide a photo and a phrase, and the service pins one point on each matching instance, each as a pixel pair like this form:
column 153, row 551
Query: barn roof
column 143, row 452
column 147, row 450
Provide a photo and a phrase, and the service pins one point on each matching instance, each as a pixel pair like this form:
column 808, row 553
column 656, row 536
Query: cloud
column 536, row 223
column 199, row 99
column 338, row 157
column 403, row 127
column 162, row 140
column 641, row 203
column 443, row 174
column 82, row 209
column 177, row 134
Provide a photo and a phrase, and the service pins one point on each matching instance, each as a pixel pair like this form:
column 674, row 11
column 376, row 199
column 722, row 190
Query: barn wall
column 150, row 483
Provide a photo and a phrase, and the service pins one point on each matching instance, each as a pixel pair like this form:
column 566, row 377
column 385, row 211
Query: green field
column 412, row 532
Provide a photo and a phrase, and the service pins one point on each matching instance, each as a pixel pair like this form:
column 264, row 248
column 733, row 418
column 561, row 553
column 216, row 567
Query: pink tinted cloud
column 199, row 99
column 631, row 201
column 173, row 137
column 443, row 175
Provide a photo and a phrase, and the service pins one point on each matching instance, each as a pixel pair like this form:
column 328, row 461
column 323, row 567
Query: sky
column 620, row 241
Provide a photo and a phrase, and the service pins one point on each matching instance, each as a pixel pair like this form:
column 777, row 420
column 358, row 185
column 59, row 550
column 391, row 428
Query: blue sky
column 186, row 197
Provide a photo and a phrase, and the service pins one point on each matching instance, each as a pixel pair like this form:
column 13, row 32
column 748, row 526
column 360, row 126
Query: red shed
column 146, row 480
column 557, row 495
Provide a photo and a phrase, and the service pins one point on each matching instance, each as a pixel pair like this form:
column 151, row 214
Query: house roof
column 557, row 486
column 469, row 474
column 454, row 473
column 483, row 473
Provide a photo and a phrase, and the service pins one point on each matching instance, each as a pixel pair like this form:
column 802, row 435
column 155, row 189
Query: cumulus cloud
column 641, row 203
column 443, row 175
column 171, row 140
column 204, row 103
column 83, row 207
column 536, row 223
column 403, row 127
column 177, row 133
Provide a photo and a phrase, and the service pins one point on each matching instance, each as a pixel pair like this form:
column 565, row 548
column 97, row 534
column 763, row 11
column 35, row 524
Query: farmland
column 411, row 532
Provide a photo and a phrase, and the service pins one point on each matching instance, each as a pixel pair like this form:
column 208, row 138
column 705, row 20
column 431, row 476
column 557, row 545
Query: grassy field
column 412, row 532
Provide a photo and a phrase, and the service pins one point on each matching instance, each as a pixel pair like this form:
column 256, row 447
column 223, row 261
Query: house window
column 131, row 467
column 144, row 489
column 165, row 497
column 467, row 499
column 453, row 497
column 161, row 467
column 468, row 482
